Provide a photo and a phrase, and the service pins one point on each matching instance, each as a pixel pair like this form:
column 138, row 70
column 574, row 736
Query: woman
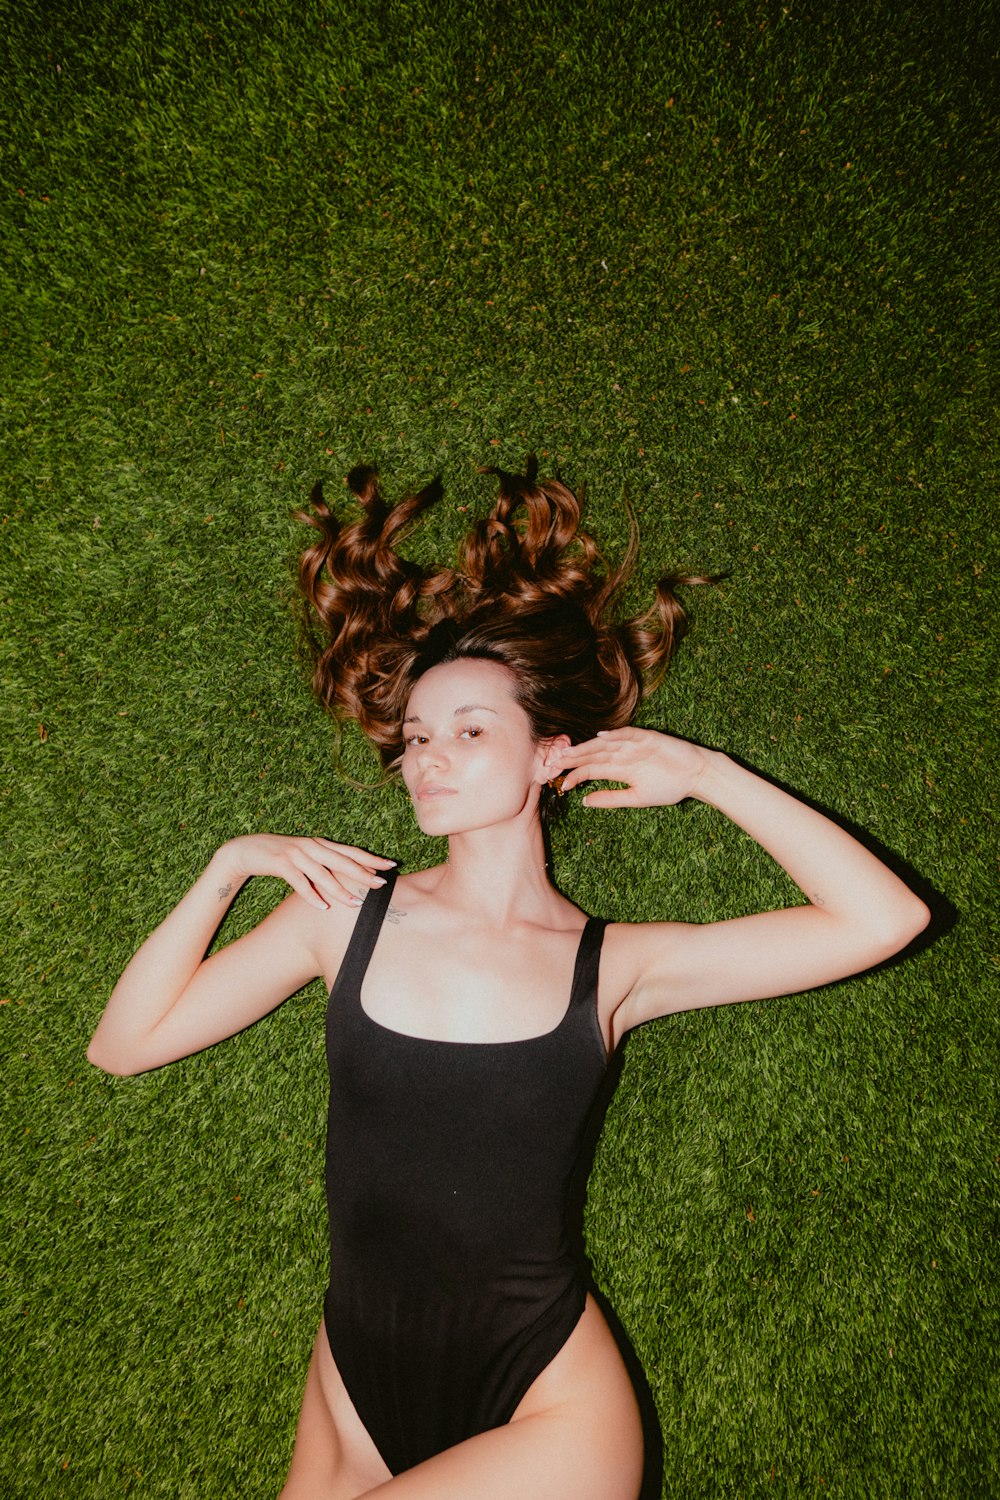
column 473, row 1007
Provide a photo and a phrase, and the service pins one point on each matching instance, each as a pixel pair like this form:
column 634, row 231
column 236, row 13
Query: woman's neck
column 499, row 874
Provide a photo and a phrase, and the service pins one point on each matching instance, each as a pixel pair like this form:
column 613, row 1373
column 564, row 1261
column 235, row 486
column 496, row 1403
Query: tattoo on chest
column 394, row 914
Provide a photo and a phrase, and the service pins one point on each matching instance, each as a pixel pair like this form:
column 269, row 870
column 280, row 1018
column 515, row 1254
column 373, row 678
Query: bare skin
column 474, row 772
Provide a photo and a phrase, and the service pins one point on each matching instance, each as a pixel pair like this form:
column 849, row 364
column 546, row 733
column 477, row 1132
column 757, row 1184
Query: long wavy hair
column 530, row 591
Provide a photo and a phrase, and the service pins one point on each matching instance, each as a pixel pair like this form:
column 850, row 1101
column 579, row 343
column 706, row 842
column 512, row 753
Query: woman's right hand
column 318, row 869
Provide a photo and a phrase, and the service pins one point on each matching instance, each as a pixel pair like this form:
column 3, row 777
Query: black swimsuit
column 452, row 1280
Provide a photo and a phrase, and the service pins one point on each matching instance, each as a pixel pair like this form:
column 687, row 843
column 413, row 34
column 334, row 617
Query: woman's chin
column 436, row 818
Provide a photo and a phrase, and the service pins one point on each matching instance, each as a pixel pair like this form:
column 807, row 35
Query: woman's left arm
column 858, row 911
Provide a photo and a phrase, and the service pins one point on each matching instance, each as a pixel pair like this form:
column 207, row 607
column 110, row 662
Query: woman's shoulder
column 420, row 884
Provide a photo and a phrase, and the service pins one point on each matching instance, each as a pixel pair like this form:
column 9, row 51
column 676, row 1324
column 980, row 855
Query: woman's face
column 471, row 760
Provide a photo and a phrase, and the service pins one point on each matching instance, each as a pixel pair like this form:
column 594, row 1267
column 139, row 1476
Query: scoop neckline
column 514, row 1041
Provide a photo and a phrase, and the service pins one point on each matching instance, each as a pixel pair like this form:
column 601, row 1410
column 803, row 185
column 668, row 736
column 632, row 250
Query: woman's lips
column 431, row 789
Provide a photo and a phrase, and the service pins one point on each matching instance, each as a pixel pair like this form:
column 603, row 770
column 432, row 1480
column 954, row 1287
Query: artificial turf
column 736, row 264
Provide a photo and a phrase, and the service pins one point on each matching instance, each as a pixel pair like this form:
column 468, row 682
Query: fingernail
column 355, row 901
column 377, row 880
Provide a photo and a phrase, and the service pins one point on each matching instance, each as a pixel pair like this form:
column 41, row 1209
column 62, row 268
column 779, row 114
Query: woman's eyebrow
column 466, row 708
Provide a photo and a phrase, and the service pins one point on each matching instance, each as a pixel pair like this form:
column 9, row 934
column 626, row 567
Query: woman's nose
column 431, row 754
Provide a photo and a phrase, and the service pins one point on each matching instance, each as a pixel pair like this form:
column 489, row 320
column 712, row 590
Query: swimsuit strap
column 365, row 934
column 588, row 962
column 582, row 1008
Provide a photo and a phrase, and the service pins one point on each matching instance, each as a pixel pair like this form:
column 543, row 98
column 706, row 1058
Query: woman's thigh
column 334, row 1458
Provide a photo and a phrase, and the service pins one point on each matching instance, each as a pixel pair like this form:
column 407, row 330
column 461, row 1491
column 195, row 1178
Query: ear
column 548, row 750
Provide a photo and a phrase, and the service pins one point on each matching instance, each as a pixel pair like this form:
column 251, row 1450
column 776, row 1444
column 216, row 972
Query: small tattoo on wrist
column 224, row 891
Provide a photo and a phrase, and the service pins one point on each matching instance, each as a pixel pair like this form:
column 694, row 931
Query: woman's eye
column 471, row 734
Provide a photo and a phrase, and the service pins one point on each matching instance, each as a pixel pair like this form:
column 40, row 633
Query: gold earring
column 556, row 784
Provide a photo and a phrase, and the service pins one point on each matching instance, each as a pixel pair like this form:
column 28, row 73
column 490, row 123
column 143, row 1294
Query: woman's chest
column 469, row 987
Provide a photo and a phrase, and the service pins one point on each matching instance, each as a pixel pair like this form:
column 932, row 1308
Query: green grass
column 737, row 264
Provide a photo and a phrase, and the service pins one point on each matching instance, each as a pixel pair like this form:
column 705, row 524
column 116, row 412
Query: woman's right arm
column 172, row 1000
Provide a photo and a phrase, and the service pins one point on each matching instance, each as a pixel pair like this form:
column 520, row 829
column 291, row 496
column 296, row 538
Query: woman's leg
column 334, row 1458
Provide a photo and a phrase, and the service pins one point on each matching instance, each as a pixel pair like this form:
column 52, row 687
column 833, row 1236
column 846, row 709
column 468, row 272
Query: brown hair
column 531, row 591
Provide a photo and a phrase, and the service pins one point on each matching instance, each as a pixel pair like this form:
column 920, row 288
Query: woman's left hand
column 657, row 769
